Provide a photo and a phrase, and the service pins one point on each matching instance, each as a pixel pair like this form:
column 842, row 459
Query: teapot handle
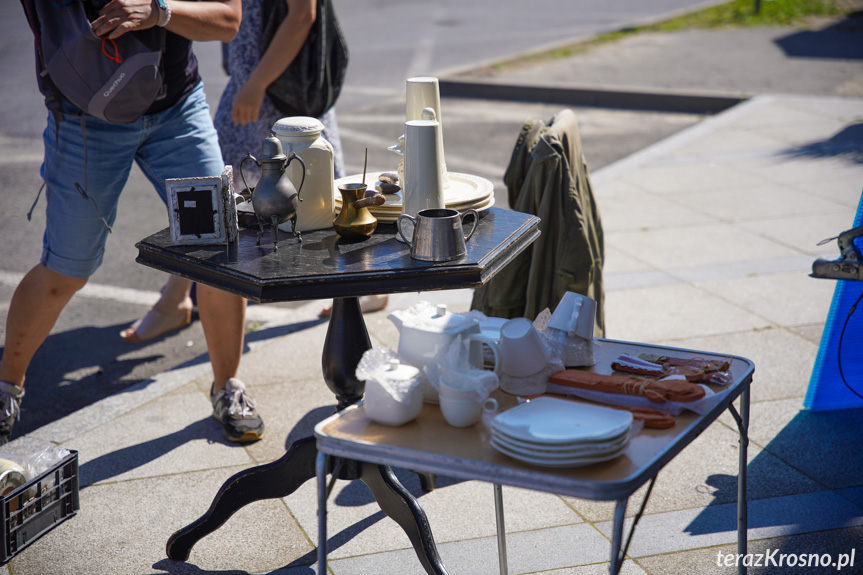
column 243, row 161
column 291, row 158
column 492, row 344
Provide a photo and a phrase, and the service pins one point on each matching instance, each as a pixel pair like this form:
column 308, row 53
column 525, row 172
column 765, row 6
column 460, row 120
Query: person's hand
column 121, row 16
column 247, row 103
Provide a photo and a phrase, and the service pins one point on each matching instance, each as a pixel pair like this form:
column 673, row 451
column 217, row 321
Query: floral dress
column 235, row 140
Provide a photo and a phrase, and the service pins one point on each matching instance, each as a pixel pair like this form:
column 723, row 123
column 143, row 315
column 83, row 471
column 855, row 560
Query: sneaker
column 10, row 408
column 235, row 409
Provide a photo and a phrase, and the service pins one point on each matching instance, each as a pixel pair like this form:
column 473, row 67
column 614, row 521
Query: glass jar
column 302, row 135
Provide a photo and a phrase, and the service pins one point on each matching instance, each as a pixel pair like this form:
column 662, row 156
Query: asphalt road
column 84, row 360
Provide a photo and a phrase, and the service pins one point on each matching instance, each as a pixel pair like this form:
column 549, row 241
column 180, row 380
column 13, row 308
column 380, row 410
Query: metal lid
column 271, row 149
column 298, row 126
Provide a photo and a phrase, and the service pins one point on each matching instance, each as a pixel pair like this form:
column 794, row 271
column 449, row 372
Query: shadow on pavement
column 280, row 330
column 132, row 457
column 79, row 367
column 357, row 494
column 822, row 446
column 185, row 568
column 846, row 144
column 123, row 460
column 840, row 41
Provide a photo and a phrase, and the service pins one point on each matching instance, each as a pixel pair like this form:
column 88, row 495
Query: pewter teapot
column 275, row 199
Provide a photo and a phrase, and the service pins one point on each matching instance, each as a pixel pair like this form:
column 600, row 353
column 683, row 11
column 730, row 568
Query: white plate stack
column 464, row 192
column 551, row 432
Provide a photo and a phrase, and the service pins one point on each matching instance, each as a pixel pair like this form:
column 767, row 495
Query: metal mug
column 438, row 234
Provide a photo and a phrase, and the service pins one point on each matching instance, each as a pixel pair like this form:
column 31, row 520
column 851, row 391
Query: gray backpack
column 115, row 80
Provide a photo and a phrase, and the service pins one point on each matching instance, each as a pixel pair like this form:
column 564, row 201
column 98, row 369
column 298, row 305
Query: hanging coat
column 548, row 177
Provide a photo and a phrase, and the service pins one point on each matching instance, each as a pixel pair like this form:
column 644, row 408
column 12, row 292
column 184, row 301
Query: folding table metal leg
column 618, row 548
column 617, row 536
column 501, row 529
column 742, row 420
column 321, row 472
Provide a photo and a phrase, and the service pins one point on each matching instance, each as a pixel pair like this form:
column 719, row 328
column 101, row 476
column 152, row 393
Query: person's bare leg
column 173, row 311
column 223, row 317
column 33, row 311
column 175, row 295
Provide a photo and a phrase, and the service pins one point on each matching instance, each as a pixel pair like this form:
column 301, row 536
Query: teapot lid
column 297, row 126
column 433, row 319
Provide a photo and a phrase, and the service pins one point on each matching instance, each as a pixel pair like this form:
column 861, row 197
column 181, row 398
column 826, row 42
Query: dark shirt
column 181, row 72
column 179, row 65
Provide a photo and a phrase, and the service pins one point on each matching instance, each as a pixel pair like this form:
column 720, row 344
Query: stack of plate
column 464, row 192
column 553, row 432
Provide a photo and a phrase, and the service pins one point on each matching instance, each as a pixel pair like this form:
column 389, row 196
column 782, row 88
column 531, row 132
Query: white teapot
column 425, row 335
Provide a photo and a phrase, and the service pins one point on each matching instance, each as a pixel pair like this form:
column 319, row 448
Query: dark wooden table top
column 324, row 265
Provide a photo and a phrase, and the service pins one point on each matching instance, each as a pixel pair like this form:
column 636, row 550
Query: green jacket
column 548, row 177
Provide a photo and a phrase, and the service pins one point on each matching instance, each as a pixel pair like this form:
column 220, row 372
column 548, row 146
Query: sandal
column 368, row 304
column 155, row 324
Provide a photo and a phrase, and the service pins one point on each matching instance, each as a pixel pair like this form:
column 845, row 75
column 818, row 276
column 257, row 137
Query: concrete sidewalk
column 710, row 237
column 689, row 70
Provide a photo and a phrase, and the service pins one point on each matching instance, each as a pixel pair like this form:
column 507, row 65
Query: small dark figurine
column 275, row 199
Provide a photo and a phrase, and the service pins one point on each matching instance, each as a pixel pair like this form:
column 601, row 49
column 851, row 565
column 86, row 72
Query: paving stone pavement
column 710, row 237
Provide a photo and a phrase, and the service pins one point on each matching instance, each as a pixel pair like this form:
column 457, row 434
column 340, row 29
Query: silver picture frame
column 202, row 211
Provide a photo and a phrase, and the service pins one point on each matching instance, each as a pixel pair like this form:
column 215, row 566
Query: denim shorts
column 180, row 142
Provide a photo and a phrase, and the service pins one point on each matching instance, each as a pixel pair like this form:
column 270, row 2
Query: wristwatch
column 164, row 12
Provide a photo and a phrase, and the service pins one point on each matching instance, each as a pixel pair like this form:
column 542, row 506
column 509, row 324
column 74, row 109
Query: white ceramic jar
column 302, row 135
column 394, row 397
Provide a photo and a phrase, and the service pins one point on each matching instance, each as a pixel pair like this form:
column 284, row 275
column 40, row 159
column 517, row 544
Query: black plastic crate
column 38, row 506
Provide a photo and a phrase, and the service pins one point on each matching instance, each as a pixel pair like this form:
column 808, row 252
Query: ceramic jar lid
column 398, row 381
column 298, row 126
column 397, row 371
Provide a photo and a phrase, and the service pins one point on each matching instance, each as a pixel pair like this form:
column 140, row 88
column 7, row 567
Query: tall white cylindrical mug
column 422, row 188
column 424, row 92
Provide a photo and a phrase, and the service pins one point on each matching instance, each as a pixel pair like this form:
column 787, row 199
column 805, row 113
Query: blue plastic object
column 840, row 356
